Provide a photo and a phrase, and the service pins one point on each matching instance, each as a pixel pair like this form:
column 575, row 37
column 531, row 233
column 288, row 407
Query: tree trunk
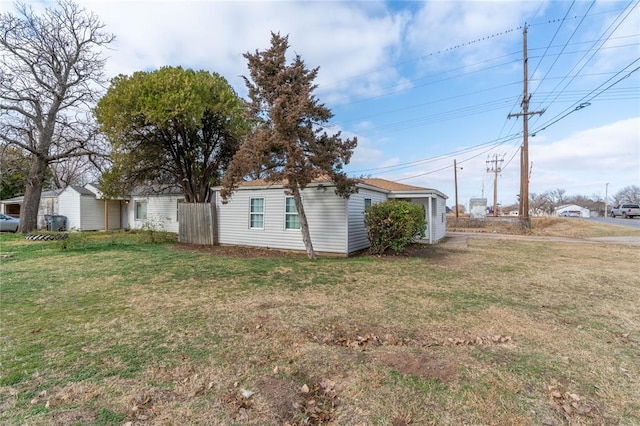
column 304, row 225
column 32, row 195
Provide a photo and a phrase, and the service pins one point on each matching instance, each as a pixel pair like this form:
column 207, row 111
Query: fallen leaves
column 356, row 340
column 478, row 340
column 318, row 403
column 313, row 403
column 569, row 404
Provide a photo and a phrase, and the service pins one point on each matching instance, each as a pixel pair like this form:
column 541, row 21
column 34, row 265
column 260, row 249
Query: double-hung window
column 291, row 219
column 367, row 203
column 140, row 210
column 256, row 213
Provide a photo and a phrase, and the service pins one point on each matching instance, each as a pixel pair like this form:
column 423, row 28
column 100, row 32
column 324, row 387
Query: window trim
column 291, row 214
column 256, row 213
column 136, row 204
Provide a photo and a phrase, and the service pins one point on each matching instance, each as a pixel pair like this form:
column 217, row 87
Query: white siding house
column 262, row 215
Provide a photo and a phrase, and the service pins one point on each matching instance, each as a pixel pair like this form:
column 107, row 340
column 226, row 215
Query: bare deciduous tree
column 628, row 194
column 50, row 73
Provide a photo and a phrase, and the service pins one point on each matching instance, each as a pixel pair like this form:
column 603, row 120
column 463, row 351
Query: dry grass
column 542, row 226
column 501, row 332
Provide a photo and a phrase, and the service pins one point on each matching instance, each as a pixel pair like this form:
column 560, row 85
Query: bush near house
column 393, row 225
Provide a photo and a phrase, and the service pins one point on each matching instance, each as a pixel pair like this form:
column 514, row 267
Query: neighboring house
column 263, row 215
column 48, row 206
column 572, row 210
column 86, row 208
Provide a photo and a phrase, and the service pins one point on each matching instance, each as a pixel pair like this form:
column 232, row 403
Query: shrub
column 393, row 225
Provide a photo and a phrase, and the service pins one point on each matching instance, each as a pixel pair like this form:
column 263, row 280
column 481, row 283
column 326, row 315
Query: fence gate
column 197, row 223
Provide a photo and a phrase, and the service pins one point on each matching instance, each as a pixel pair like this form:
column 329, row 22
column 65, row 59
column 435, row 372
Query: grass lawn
column 115, row 330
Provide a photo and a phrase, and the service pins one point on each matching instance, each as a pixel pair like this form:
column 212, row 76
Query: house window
column 367, row 203
column 140, row 210
column 180, row 201
column 291, row 219
column 256, row 213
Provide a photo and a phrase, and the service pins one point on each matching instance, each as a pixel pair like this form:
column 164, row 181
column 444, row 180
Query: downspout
column 429, row 220
column 347, row 236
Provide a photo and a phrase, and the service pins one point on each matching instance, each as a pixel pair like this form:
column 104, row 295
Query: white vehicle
column 626, row 210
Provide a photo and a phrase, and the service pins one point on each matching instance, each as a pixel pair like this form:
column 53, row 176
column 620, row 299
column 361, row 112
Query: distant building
column 572, row 210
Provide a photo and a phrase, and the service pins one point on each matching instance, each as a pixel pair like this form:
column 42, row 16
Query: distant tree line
column 547, row 202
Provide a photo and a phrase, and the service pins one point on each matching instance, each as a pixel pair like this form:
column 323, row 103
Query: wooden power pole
column 455, row 178
column 523, row 209
column 493, row 167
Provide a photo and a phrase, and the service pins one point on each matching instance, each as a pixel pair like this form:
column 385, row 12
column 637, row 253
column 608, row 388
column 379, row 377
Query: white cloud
column 584, row 161
column 346, row 39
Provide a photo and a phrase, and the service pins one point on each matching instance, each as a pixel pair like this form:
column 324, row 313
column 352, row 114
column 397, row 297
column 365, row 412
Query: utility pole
column 523, row 209
column 493, row 167
column 606, row 194
column 455, row 178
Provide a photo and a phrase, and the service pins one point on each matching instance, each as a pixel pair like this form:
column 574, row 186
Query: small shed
column 85, row 209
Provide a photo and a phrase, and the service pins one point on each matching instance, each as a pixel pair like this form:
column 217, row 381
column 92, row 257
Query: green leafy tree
column 50, row 70
column 170, row 127
column 393, row 225
column 287, row 144
column 14, row 167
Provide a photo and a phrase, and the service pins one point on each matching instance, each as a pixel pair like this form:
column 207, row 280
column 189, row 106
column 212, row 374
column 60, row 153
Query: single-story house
column 263, row 215
column 572, row 210
column 86, row 209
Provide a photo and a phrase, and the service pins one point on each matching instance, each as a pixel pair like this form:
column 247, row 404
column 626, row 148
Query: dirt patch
column 429, row 368
column 77, row 416
column 312, row 403
column 415, row 250
column 241, row 252
column 279, row 395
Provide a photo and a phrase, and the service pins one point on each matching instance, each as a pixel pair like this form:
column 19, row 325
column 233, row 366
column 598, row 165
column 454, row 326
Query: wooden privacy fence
column 198, row 224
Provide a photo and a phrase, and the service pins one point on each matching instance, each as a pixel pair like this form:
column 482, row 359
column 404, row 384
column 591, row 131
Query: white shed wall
column 326, row 213
column 161, row 207
column 357, row 231
column 439, row 228
column 69, row 206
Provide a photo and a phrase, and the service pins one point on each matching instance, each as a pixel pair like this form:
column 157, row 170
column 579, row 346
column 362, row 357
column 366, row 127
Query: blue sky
column 423, row 83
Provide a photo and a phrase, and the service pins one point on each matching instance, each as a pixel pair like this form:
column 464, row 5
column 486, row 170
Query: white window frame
column 365, row 203
column 256, row 213
column 136, row 205
column 290, row 214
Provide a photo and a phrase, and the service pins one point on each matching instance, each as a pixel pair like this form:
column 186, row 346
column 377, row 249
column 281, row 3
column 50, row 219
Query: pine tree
column 288, row 144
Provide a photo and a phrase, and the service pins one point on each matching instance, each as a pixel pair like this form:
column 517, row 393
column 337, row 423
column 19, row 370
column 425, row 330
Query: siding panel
column 357, row 231
column 325, row 213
